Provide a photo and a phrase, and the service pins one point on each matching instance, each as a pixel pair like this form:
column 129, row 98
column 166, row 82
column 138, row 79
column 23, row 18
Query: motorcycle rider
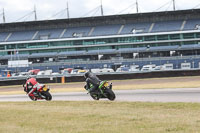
column 31, row 83
column 91, row 79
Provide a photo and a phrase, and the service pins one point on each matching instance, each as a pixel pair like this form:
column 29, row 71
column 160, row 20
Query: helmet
column 28, row 77
column 86, row 75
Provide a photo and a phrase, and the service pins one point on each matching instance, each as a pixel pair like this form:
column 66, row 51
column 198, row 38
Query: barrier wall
column 114, row 76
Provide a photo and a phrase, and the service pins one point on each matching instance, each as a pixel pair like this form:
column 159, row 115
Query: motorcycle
column 104, row 91
column 42, row 93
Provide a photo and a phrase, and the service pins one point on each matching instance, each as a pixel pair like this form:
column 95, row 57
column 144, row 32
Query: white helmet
column 28, row 77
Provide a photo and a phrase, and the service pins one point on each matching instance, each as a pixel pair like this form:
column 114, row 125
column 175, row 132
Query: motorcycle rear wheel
column 47, row 95
column 110, row 94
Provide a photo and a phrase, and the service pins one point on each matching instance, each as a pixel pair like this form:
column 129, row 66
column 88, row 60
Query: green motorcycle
column 104, row 91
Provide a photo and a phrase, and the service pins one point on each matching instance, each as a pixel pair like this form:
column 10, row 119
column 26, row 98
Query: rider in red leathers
column 32, row 84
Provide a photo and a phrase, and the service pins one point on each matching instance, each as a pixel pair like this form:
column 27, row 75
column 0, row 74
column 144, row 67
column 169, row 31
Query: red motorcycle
column 42, row 93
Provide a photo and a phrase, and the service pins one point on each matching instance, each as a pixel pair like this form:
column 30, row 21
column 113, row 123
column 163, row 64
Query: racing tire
column 33, row 99
column 94, row 96
column 110, row 94
column 47, row 95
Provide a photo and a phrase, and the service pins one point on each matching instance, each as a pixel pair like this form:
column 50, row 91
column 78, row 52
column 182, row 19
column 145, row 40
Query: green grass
column 99, row 117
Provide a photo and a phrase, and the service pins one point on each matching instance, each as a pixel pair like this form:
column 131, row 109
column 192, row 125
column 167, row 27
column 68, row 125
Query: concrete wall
column 156, row 74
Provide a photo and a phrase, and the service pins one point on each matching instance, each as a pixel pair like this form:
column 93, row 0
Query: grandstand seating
column 71, row 53
column 92, row 52
column 101, row 51
column 76, row 32
column 49, row 34
column 16, row 56
column 21, row 36
column 128, row 50
column 163, row 48
column 6, row 57
column 192, row 24
column 108, row 51
column 151, row 49
column 3, row 36
column 165, row 26
column 43, row 54
column 193, row 46
column 71, row 32
column 23, row 55
column 136, row 28
column 106, row 30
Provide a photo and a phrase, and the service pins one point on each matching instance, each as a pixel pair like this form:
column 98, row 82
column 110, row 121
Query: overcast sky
column 46, row 9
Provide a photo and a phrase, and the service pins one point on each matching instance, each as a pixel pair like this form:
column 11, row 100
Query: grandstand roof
column 102, row 20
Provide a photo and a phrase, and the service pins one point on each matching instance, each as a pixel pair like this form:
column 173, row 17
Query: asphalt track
column 153, row 95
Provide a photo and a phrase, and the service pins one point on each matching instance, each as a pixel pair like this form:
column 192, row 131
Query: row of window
column 104, row 47
column 110, row 41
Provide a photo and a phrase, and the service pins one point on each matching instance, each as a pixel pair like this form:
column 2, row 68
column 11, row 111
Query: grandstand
column 91, row 42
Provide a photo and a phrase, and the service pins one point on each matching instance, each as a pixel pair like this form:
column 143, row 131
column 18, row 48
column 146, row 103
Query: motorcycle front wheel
column 47, row 95
column 110, row 94
column 94, row 96
column 32, row 98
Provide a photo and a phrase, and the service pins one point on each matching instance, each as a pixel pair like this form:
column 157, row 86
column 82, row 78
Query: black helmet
column 86, row 75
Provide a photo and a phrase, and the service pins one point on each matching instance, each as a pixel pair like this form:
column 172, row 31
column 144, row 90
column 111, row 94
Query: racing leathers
column 92, row 80
column 33, row 85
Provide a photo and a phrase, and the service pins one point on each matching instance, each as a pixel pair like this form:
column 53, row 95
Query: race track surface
column 153, row 95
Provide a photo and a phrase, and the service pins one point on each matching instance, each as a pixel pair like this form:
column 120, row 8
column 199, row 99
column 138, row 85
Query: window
column 190, row 43
column 174, row 36
column 2, row 47
column 149, row 38
column 77, row 42
column 162, row 37
column 139, row 39
column 197, row 35
column 88, row 42
column 188, row 35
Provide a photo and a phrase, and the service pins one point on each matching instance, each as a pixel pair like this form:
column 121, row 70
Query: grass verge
column 99, row 117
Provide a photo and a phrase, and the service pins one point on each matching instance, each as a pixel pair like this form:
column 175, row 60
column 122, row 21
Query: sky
column 15, row 10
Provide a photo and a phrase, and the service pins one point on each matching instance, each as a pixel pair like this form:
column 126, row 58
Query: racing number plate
column 45, row 88
column 106, row 84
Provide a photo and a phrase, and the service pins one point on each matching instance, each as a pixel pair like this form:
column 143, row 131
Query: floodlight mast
column 169, row 5
column 4, row 18
column 35, row 13
column 67, row 10
column 174, row 5
column 101, row 9
column 137, row 6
